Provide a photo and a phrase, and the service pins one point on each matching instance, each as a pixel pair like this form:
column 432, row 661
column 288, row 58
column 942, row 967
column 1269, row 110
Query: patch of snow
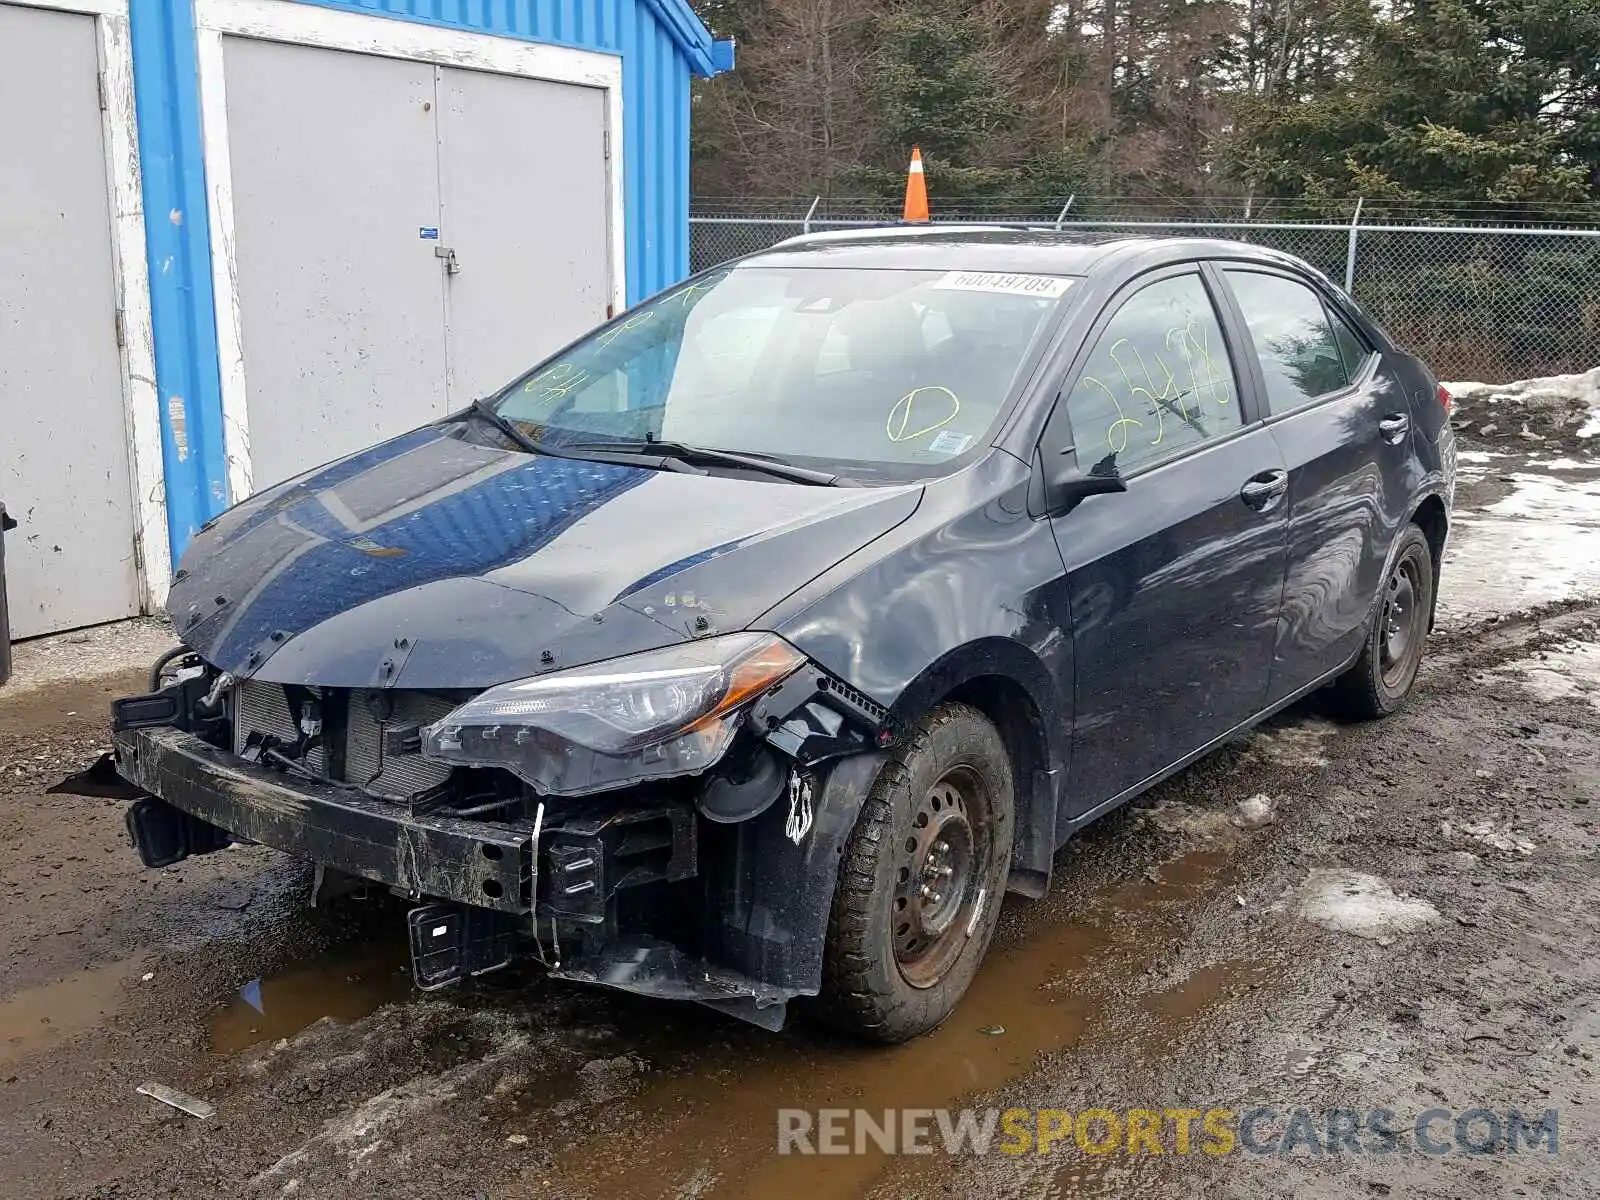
column 1562, row 464
column 1553, row 388
column 1301, row 744
column 1497, row 837
column 1496, row 566
column 1350, row 902
column 359, row 1132
column 1477, row 456
column 1543, row 498
column 1260, row 809
column 1174, row 816
column 1570, row 673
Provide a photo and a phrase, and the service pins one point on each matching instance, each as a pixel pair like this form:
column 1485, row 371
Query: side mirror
column 1063, row 486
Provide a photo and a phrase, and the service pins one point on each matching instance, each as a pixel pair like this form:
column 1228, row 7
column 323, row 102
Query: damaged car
column 754, row 647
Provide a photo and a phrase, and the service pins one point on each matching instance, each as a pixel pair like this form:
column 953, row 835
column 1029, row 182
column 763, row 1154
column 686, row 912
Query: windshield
column 885, row 374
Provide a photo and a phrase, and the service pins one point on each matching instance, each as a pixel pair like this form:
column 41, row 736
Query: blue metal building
column 245, row 237
column 660, row 44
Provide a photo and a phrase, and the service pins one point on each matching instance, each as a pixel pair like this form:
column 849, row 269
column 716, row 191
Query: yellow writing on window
column 1178, row 380
column 557, row 383
column 637, row 321
column 906, row 425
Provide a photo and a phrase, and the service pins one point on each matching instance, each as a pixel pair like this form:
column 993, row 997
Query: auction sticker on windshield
column 1045, row 287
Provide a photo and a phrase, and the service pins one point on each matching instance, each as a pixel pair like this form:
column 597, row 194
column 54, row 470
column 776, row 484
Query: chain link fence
column 1477, row 300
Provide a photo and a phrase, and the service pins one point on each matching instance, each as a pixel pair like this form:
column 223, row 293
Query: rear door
column 1342, row 423
column 1175, row 584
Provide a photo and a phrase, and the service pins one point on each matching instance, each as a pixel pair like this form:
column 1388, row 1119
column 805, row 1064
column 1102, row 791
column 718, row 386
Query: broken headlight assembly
column 654, row 715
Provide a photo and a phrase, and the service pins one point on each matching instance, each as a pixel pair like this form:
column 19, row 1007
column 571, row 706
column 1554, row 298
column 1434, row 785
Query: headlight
column 647, row 716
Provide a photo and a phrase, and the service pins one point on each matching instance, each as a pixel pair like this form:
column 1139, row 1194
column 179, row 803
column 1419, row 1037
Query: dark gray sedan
column 755, row 645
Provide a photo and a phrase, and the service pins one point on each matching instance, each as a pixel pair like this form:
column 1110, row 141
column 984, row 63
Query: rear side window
column 1157, row 382
column 1352, row 349
column 1301, row 358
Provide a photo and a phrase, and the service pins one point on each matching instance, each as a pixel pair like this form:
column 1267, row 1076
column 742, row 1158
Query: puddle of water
column 346, row 988
column 1043, row 991
column 1206, row 986
column 41, row 1018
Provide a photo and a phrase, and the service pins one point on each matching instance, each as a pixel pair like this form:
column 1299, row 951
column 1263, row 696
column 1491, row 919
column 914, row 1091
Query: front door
column 1343, row 426
column 1175, row 584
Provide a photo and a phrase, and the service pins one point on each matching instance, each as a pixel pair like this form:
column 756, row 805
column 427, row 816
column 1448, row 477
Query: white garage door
column 63, row 434
column 407, row 237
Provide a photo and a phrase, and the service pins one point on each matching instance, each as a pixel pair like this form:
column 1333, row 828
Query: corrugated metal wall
column 661, row 46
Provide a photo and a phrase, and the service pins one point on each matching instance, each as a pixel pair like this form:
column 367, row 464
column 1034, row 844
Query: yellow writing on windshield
column 557, row 383
column 637, row 321
column 899, row 425
column 694, row 291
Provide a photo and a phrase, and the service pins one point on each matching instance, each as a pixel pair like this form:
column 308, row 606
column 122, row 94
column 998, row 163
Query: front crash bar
column 445, row 857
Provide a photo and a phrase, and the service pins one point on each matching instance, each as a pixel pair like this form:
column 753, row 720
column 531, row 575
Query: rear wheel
column 1382, row 677
column 921, row 880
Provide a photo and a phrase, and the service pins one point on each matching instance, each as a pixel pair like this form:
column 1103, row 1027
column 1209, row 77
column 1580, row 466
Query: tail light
column 1445, row 399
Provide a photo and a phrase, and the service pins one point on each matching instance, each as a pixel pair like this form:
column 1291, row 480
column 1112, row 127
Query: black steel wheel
column 1382, row 677
column 921, row 880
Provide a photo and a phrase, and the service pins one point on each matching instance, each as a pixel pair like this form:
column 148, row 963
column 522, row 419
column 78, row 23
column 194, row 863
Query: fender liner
column 774, row 896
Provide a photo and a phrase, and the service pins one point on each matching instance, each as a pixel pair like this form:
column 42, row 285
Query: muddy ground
column 1177, row 963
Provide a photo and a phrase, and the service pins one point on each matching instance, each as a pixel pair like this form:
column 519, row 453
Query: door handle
column 1263, row 492
column 1394, row 427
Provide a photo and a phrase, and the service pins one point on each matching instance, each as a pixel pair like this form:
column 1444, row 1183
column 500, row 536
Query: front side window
column 1157, row 382
column 1300, row 357
column 877, row 374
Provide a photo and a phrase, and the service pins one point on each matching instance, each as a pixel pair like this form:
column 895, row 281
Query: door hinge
column 100, row 88
column 606, row 135
column 122, row 329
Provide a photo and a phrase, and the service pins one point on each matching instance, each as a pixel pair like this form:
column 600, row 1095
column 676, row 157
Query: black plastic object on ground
column 5, row 618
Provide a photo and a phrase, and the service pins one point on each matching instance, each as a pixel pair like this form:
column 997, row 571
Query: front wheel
column 921, row 880
column 1382, row 677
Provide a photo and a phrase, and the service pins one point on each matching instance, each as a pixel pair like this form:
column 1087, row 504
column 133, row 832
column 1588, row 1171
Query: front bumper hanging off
column 469, row 862
column 486, row 888
column 711, row 895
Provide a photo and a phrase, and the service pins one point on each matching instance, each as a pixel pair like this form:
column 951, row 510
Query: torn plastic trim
column 806, row 721
column 814, row 718
column 651, row 967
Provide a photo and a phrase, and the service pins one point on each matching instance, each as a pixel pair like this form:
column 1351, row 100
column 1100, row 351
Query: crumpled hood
column 434, row 562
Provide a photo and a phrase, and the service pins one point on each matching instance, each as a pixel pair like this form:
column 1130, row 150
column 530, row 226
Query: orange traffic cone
column 916, row 190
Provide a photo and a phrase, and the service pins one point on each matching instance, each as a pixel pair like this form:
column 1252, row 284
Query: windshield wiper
column 481, row 408
column 682, row 451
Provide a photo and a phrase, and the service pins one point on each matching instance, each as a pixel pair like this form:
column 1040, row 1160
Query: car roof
column 998, row 248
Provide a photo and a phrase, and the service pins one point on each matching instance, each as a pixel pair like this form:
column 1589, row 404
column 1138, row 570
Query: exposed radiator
column 400, row 771
column 382, row 753
column 264, row 708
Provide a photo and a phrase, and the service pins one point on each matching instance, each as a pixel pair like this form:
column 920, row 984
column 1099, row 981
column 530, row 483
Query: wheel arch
column 1431, row 516
column 1011, row 686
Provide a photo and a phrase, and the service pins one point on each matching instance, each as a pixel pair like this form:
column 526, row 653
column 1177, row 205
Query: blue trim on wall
column 178, row 245
column 661, row 43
